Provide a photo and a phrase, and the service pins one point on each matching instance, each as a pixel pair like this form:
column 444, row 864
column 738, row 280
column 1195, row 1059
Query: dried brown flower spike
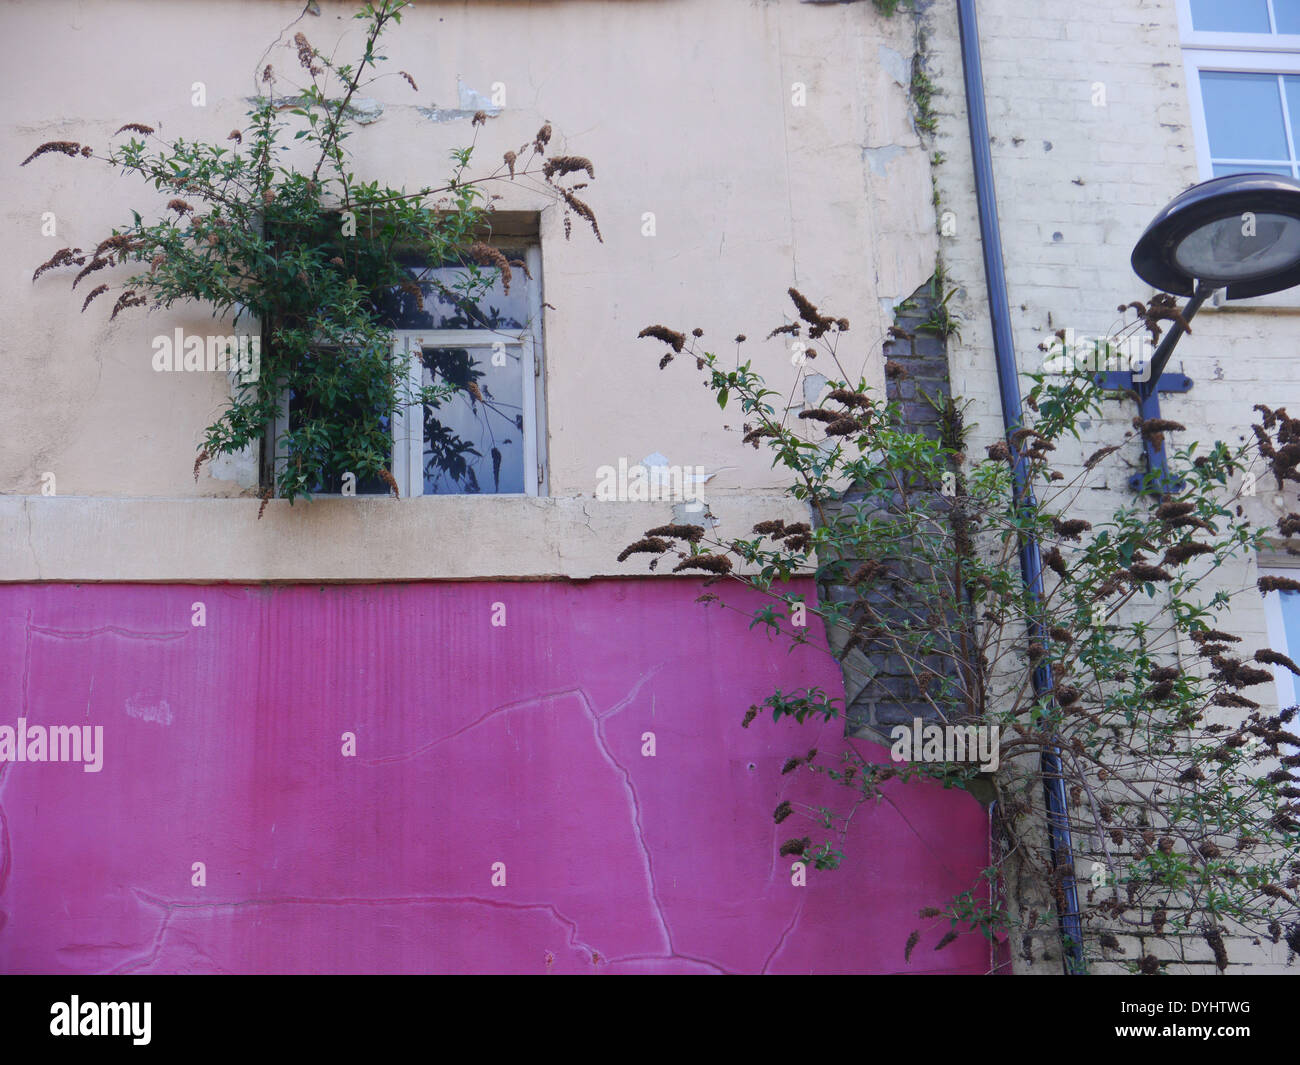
column 62, row 257
column 71, row 148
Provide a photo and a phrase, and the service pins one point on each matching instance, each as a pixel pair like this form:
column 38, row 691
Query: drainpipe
column 1031, row 563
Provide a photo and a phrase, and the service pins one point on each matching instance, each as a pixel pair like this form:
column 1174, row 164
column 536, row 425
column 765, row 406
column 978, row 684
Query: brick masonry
column 890, row 696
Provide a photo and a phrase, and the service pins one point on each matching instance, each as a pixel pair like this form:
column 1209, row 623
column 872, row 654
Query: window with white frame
column 1282, row 608
column 1242, row 61
column 485, row 438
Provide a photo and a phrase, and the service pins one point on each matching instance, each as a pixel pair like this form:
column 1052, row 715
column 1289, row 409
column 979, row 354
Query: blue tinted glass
column 1223, row 169
column 1230, row 16
column 1291, row 621
column 1243, row 114
column 1287, row 15
column 1291, row 83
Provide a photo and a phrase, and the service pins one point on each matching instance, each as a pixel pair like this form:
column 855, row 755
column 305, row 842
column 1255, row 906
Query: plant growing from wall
column 275, row 227
column 941, row 320
column 1182, row 788
column 923, row 93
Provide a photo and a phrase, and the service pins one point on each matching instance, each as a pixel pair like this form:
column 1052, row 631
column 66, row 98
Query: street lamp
column 1240, row 232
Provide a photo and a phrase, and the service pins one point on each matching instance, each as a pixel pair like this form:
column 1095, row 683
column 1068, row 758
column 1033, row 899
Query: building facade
column 1098, row 116
column 450, row 731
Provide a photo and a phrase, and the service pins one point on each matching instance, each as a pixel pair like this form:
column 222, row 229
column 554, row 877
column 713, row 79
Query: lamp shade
column 1241, row 232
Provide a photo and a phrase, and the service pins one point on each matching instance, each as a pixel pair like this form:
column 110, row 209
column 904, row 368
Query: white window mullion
column 1286, row 112
column 414, row 445
column 531, row 466
column 1200, row 129
column 538, row 437
column 407, row 422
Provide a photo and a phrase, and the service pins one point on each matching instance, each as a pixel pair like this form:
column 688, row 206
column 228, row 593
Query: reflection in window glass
column 1224, row 169
column 1243, row 115
column 448, row 298
column 1286, row 16
column 474, row 444
column 1231, row 16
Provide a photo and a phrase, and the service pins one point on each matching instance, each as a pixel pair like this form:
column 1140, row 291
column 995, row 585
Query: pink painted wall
column 476, row 745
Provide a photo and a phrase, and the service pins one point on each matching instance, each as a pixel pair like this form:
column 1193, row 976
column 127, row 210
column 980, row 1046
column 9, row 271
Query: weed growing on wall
column 274, row 227
column 1182, row 788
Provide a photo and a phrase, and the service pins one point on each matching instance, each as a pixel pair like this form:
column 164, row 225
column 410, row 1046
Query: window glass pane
column 1222, row 169
column 1243, row 114
column 1230, row 16
column 1291, row 621
column 1286, row 13
column 1291, row 84
column 473, row 446
column 449, row 299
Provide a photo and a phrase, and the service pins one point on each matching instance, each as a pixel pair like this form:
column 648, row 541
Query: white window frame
column 1232, row 62
column 1245, row 42
column 408, row 427
column 1239, row 53
column 408, row 454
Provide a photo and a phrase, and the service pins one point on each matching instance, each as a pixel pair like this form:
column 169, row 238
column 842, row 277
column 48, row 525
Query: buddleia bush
column 1181, row 787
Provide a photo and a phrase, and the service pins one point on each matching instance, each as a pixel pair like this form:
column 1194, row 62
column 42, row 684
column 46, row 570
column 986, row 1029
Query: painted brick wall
column 1077, row 183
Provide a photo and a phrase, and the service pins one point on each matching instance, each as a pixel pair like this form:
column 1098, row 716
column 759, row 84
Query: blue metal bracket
column 1149, row 407
column 1122, row 381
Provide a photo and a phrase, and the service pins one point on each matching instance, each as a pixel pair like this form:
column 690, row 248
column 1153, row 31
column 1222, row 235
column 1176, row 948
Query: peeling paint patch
column 879, row 158
column 366, row 110
column 694, row 513
column 147, row 710
column 434, row 114
column 469, row 103
column 812, row 388
column 362, row 109
column 895, row 65
column 888, row 305
column 471, row 100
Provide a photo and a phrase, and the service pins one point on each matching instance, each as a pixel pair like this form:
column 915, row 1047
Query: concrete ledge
column 88, row 538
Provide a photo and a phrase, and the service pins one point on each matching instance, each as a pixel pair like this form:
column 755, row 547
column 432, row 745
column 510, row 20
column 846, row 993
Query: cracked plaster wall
column 475, row 745
column 686, row 108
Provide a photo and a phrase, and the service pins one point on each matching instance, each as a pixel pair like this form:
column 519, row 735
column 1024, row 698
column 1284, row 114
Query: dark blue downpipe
column 1031, row 563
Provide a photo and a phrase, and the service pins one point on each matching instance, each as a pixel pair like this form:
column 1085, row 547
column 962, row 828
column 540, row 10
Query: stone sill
column 92, row 538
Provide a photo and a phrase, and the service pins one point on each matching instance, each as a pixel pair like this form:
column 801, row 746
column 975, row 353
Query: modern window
column 1241, row 62
column 483, row 440
column 1283, row 612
